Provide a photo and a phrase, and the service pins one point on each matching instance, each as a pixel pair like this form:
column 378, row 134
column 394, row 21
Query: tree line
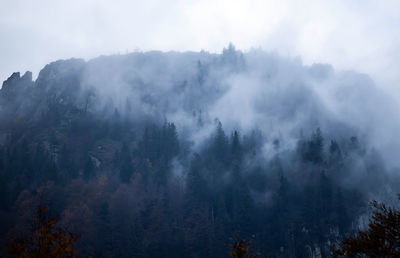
column 144, row 193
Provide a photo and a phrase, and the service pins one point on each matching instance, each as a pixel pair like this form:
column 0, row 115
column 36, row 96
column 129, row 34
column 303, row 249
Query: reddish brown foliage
column 381, row 239
column 44, row 239
column 241, row 248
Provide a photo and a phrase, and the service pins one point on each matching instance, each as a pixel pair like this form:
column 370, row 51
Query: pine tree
column 236, row 153
column 89, row 170
column 221, row 146
column 315, row 152
column 335, row 155
column 126, row 167
column 196, row 185
column 105, row 229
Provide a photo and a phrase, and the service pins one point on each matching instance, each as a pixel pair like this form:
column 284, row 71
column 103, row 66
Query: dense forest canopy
column 148, row 154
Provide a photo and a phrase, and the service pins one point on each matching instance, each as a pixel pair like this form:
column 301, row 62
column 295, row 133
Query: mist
column 211, row 143
column 279, row 96
column 138, row 127
column 348, row 35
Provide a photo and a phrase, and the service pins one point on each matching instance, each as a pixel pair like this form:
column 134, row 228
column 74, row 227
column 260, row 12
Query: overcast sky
column 360, row 35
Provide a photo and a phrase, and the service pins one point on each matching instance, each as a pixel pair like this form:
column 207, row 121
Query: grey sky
column 360, row 35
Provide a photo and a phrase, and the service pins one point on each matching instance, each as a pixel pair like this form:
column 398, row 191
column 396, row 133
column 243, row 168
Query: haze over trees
column 154, row 154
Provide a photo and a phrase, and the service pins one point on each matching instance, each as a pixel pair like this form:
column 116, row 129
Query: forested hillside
column 170, row 154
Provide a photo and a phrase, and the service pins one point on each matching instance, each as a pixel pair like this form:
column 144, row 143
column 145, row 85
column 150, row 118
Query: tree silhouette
column 381, row 239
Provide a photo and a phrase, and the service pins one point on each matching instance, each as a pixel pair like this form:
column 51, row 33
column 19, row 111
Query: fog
column 244, row 90
column 148, row 106
column 361, row 36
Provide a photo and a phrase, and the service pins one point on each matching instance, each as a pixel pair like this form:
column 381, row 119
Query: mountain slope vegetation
column 169, row 154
